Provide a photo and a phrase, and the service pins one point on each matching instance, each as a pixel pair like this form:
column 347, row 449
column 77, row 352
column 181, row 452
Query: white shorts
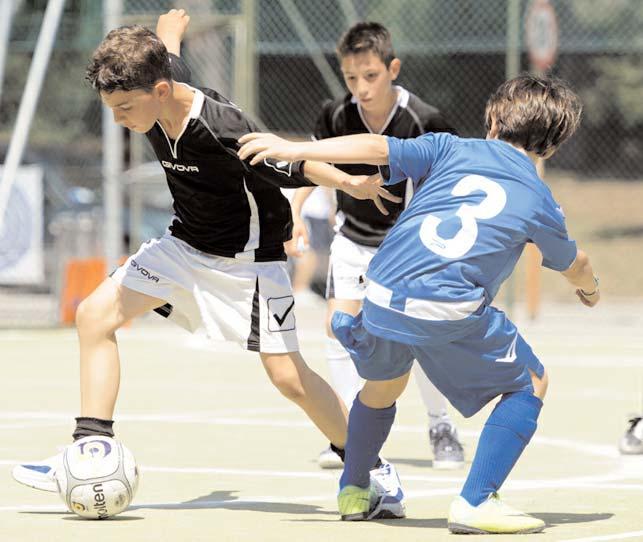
column 347, row 269
column 250, row 303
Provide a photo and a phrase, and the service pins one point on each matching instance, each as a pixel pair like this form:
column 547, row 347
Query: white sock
column 343, row 375
column 434, row 401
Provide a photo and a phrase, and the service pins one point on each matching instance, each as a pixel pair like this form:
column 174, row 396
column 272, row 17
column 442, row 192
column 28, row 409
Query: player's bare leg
column 540, row 384
column 97, row 319
column 303, row 386
column 383, row 393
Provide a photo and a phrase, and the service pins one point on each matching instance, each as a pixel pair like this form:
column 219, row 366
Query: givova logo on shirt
column 179, row 167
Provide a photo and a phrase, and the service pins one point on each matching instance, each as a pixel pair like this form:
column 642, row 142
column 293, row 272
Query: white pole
column 349, row 12
column 29, row 100
column 6, row 13
column 112, row 161
column 512, row 69
column 314, row 50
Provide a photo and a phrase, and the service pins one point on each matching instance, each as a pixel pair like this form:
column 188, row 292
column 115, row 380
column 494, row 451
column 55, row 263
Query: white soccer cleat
column 491, row 517
column 39, row 474
column 447, row 449
column 330, row 460
column 389, row 490
column 632, row 441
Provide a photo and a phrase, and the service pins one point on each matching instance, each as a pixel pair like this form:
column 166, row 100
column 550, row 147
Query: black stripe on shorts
column 254, row 337
column 164, row 310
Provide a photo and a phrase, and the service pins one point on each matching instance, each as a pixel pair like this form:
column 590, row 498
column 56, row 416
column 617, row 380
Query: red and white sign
column 541, row 34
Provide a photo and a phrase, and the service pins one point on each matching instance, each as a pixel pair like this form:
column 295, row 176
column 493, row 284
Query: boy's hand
column 589, row 300
column 369, row 187
column 170, row 29
column 266, row 146
column 295, row 247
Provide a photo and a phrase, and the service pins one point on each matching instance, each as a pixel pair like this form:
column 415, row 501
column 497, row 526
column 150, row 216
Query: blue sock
column 367, row 432
column 504, row 437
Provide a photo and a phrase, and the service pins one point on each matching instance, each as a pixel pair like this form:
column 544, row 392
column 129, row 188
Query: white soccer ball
column 98, row 478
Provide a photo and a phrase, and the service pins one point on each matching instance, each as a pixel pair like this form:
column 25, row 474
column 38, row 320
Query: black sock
column 340, row 452
column 86, row 427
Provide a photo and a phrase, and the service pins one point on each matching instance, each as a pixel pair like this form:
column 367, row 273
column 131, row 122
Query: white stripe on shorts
column 424, row 309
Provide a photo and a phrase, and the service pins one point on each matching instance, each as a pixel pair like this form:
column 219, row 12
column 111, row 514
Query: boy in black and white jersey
column 373, row 104
column 221, row 264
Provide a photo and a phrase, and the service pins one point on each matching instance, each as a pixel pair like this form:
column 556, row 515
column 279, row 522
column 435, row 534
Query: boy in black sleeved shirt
column 220, row 266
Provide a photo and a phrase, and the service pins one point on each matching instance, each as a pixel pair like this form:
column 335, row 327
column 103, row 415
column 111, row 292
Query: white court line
column 29, row 425
column 604, row 481
column 587, row 448
column 620, row 536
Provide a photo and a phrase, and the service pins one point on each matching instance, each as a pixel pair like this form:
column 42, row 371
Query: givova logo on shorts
column 144, row 271
column 281, row 314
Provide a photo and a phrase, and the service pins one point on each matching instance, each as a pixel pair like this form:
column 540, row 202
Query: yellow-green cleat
column 356, row 503
column 491, row 517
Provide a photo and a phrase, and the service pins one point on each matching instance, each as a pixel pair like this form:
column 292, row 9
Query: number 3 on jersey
column 462, row 242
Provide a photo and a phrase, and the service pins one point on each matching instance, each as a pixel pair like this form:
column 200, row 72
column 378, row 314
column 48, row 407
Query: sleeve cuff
column 565, row 264
column 392, row 174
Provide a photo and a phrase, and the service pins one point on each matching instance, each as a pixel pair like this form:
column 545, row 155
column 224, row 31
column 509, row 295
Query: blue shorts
column 470, row 371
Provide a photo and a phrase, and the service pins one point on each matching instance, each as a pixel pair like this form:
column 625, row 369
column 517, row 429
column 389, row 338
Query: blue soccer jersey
column 476, row 203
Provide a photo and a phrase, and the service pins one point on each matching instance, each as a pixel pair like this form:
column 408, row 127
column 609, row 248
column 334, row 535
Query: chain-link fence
column 276, row 58
column 454, row 54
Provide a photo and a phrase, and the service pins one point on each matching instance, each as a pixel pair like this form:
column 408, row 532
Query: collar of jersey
column 402, row 101
column 514, row 151
column 197, row 102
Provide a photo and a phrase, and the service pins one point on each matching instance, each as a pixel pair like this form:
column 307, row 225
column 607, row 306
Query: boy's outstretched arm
column 357, row 186
column 581, row 275
column 170, row 29
column 354, row 149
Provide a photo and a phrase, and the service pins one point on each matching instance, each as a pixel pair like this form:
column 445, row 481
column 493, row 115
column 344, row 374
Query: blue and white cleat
column 39, row 474
column 389, row 490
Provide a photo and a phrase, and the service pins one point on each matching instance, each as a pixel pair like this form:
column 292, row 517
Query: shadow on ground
column 228, row 501
column 69, row 516
column 551, row 519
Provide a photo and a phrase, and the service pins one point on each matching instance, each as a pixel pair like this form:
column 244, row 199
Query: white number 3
column 466, row 237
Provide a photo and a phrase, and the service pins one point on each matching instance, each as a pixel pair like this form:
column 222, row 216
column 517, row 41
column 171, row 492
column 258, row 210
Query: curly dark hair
column 129, row 58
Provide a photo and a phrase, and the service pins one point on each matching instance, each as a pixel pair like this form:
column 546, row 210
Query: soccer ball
column 98, row 477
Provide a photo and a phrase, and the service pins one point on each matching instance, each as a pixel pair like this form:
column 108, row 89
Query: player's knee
column 91, row 317
column 84, row 314
column 289, row 385
column 540, row 384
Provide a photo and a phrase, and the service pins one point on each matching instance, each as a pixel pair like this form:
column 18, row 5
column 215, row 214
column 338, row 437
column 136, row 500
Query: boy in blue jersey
column 431, row 284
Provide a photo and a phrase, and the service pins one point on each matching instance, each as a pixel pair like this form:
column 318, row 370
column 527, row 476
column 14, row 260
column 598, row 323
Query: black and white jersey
column 359, row 220
column 223, row 206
